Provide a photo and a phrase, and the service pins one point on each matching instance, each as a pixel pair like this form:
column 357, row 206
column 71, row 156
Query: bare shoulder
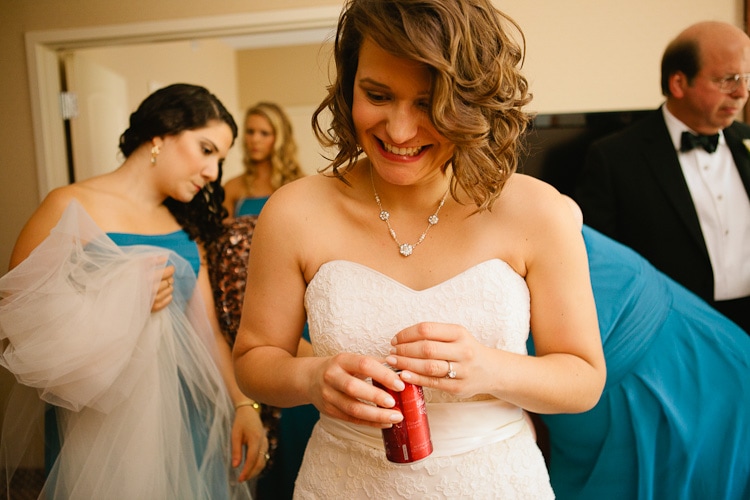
column 306, row 193
column 531, row 198
column 41, row 222
column 525, row 182
column 59, row 198
column 300, row 218
column 54, row 204
column 234, row 189
column 235, row 184
column 537, row 213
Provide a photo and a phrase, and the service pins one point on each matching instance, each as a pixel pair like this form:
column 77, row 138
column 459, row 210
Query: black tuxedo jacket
column 632, row 189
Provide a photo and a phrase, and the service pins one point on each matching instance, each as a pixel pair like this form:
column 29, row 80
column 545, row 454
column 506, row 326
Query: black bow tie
column 691, row 141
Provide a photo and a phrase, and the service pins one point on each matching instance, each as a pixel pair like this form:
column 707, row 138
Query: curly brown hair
column 477, row 94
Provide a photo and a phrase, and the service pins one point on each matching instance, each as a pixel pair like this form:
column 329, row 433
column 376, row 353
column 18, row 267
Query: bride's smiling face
column 390, row 111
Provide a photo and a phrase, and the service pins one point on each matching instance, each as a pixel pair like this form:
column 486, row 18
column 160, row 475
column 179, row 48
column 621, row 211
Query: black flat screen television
column 556, row 144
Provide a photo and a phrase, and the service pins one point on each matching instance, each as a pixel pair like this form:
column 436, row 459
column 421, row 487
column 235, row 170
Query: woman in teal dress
column 674, row 418
column 107, row 318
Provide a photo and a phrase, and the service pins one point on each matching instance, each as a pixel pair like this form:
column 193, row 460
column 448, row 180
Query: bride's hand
column 441, row 356
column 339, row 389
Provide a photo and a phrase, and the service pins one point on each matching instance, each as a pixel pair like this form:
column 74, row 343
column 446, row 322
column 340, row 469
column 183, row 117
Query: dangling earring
column 154, row 153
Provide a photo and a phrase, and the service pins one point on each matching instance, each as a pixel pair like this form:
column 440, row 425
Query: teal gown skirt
column 673, row 421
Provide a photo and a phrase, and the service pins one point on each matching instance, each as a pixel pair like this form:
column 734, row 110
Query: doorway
column 270, row 28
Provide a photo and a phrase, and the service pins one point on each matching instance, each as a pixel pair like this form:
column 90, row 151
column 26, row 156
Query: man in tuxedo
column 674, row 186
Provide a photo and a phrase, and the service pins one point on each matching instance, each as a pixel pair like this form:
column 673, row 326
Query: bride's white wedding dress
column 482, row 447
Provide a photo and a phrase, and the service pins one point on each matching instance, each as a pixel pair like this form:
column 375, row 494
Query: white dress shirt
column 723, row 209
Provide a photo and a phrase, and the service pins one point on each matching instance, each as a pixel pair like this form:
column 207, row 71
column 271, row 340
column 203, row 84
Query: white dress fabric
column 141, row 409
column 482, row 447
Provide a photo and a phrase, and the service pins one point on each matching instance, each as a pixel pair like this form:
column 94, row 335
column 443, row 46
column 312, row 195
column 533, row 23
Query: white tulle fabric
column 141, row 409
column 483, row 448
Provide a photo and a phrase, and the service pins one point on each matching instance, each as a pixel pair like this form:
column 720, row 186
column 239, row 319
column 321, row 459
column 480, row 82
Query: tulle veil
column 141, row 408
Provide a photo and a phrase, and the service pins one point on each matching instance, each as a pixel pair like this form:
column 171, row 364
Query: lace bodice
column 353, row 308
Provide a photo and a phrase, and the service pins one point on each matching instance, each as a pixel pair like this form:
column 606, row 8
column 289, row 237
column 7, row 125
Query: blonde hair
column 284, row 165
column 477, row 94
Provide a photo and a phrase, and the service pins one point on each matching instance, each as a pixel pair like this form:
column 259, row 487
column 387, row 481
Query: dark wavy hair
column 477, row 92
column 169, row 111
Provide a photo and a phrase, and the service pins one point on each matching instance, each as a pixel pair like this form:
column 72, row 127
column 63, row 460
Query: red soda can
column 409, row 440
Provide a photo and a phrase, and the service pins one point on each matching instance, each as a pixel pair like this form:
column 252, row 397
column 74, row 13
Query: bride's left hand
column 441, row 356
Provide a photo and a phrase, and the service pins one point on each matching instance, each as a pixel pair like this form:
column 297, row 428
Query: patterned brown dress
column 227, row 258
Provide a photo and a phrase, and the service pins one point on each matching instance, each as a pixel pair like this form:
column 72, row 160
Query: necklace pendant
column 405, row 249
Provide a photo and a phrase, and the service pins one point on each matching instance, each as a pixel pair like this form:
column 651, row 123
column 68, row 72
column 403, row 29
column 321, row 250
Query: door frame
column 270, row 28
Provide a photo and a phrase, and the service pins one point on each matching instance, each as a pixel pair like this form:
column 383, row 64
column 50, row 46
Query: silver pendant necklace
column 406, row 249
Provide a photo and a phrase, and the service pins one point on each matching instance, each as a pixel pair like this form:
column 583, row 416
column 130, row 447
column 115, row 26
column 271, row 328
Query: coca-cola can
column 409, row 440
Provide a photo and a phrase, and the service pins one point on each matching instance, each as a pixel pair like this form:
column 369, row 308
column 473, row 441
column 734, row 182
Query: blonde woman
column 270, row 160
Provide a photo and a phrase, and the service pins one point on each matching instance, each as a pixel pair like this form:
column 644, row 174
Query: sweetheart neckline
column 466, row 271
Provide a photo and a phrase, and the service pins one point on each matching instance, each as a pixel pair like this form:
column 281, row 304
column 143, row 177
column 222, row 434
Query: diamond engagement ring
column 451, row 371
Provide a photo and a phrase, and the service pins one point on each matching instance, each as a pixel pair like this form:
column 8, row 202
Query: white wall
column 595, row 55
column 581, row 56
column 112, row 81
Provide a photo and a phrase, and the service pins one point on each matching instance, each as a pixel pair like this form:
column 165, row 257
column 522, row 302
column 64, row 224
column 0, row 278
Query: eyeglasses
column 730, row 84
